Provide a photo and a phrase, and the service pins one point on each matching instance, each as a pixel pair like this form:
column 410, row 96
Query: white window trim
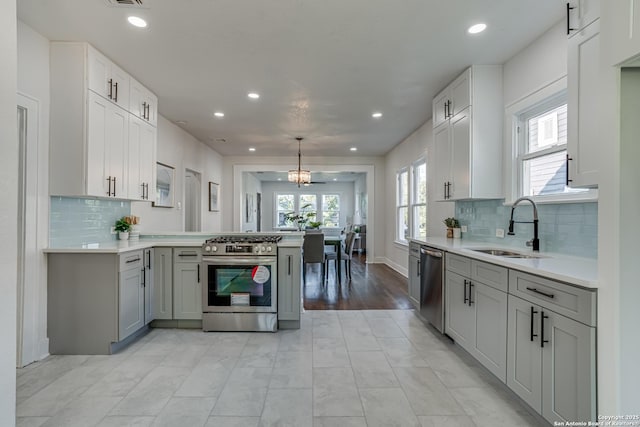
column 400, row 239
column 412, row 194
column 296, row 206
column 512, row 173
column 320, row 211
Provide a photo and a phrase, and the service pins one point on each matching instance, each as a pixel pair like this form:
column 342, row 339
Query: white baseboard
column 397, row 267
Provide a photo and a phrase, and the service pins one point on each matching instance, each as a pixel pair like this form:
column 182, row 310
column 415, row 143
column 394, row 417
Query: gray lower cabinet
column 551, row 360
column 187, row 287
column 163, row 283
column 289, row 281
column 131, row 294
column 476, row 311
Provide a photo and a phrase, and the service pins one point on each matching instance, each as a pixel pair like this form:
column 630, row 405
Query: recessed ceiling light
column 376, row 115
column 252, row 149
column 136, row 21
column 353, row 149
column 218, row 114
column 335, row 179
column 253, row 95
column 478, row 28
column 279, row 179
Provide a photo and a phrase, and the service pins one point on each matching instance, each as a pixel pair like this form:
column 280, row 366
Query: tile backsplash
column 568, row 228
column 75, row 221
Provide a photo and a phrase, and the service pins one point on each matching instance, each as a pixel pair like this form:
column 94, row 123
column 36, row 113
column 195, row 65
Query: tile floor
column 342, row 369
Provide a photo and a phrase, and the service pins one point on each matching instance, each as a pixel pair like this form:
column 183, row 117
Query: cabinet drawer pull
column 542, row 340
column 532, row 320
column 540, row 292
column 465, row 291
column 133, row 260
column 188, row 254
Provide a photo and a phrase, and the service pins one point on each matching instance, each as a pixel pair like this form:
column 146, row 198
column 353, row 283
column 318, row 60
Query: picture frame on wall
column 164, row 186
column 214, row 199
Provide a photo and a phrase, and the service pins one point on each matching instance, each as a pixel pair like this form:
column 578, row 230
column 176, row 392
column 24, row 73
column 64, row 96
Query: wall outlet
column 500, row 232
column 463, row 228
column 113, row 230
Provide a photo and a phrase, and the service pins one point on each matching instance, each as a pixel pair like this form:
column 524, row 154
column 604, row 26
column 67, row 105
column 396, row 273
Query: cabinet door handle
column 569, row 9
column 198, row 273
column 146, row 186
column 289, row 265
column 144, row 277
column 114, row 186
column 449, row 109
column 465, row 291
column 542, row 340
column 418, row 269
column 110, row 81
column 444, row 191
column 540, row 292
column 133, row 260
column 149, row 259
column 470, row 286
column 144, row 110
column 532, row 320
column 109, row 191
column 148, row 112
column 116, row 96
column 445, row 110
column 568, row 180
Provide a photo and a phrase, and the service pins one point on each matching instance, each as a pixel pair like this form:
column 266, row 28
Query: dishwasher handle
column 431, row 253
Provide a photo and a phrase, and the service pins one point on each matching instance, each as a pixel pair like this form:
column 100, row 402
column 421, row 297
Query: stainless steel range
column 240, row 286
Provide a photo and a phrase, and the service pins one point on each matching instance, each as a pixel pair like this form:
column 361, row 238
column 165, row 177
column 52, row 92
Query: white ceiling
column 321, row 67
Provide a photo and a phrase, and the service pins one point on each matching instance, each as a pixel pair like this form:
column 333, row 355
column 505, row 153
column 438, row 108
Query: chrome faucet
column 535, row 242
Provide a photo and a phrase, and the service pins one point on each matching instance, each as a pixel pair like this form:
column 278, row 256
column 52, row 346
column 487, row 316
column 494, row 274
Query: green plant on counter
column 122, row 225
column 451, row 223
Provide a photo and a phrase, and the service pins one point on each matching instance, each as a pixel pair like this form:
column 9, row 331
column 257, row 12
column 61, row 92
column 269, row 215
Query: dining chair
column 312, row 252
column 345, row 255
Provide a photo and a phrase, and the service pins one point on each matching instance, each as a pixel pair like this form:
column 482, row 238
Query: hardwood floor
column 374, row 286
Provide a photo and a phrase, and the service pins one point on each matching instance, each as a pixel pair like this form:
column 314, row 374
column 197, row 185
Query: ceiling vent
column 125, row 3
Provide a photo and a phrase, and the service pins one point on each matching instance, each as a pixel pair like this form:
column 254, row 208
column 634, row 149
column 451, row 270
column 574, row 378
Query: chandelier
column 299, row 176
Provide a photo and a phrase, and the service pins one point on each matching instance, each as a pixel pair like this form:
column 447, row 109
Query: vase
column 457, row 233
column 449, row 233
column 123, row 235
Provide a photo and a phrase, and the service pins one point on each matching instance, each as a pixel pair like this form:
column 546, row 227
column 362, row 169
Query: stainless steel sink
column 505, row 253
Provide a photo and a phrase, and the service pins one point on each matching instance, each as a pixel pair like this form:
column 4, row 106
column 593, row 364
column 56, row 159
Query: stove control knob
column 269, row 249
column 214, row 249
column 263, row 248
column 256, row 249
column 207, row 248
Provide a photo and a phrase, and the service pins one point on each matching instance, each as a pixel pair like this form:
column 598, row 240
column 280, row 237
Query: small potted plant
column 123, row 226
column 453, row 227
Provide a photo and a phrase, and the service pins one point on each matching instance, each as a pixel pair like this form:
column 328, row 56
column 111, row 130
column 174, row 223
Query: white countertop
column 575, row 270
column 150, row 240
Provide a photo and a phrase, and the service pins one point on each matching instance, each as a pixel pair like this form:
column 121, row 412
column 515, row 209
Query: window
column 402, row 205
column 542, row 149
column 419, row 200
column 308, row 204
column 284, row 206
column 331, row 210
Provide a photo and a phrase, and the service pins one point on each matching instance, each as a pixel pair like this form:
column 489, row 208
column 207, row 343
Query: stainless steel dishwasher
column 431, row 286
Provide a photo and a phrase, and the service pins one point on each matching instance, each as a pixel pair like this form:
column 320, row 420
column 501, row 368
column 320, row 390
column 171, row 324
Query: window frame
column 512, row 172
column 297, row 205
column 413, row 188
column 403, row 239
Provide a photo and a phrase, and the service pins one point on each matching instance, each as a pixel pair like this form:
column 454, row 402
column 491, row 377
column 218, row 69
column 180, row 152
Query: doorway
column 192, row 196
column 28, row 296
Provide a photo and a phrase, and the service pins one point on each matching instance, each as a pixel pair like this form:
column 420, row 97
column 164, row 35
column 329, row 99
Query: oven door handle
column 225, row 260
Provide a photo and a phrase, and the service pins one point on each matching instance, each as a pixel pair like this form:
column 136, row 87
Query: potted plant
column 453, row 227
column 123, row 226
column 302, row 218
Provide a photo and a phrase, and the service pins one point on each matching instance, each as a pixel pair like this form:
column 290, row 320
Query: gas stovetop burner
column 244, row 239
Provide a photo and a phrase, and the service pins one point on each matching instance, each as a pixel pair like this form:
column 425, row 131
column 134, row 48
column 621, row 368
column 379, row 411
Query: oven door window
column 239, row 285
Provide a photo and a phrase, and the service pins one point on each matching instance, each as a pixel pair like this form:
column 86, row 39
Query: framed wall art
column 214, row 193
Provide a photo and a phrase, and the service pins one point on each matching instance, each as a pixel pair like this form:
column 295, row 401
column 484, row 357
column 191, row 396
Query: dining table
column 336, row 241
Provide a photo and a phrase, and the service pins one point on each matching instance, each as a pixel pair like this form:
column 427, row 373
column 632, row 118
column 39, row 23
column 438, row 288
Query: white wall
column 417, row 145
column 182, row 151
column 8, row 211
column 252, row 185
column 269, row 189
column 33, row 82
column 287, row 163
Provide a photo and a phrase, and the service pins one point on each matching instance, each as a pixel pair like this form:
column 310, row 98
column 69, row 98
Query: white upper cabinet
column 143, row 103
column 467, row 117
column 583, row 140
column 97, row 147
column 581, row 13
column 621, row 22
column 107, row 79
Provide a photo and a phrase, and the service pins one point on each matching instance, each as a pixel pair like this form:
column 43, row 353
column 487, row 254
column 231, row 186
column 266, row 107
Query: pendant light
column 299, row 176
